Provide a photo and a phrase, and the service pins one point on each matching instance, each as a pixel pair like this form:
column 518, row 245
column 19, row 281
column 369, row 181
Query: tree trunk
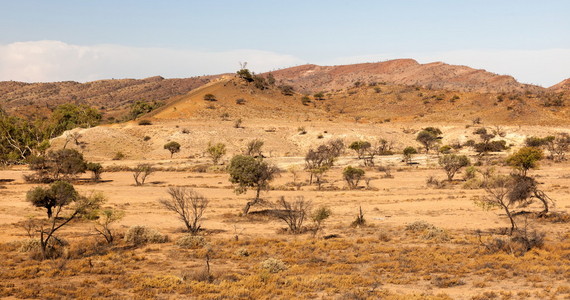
column 250, row 203
column 544, row 199
column 513, row 225
column 49, row 212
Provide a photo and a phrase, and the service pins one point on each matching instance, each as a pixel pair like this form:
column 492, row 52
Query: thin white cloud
column 41, row 61
column 541, row 67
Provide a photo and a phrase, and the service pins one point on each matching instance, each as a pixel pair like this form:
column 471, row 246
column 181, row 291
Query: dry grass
column 356, row 266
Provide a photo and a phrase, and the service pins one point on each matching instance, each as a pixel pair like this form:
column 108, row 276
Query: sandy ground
column 391, row 201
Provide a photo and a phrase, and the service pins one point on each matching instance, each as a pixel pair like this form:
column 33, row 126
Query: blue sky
column 87, row 40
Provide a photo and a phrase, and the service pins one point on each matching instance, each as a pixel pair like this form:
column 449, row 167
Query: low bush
column 273, row 265
column 191, row 242
column 140, row 235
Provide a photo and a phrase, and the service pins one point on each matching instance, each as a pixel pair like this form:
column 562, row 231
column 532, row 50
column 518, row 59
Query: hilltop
column 563, row 86
column 114, row 97
column 436, row 75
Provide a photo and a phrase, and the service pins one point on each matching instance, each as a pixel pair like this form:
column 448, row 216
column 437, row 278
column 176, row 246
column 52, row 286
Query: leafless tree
column 498, row 189
column 107, row 217
column 294, row 212
column 141, row 172
column 188, row 205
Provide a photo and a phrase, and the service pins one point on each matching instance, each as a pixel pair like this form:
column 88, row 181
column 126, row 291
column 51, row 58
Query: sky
column 82, row 40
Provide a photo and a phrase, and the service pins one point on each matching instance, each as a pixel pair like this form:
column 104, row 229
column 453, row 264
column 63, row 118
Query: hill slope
column 563, row 86
column 437, row 75
column 110, row 96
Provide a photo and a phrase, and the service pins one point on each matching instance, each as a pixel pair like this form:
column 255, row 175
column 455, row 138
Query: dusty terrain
column 381, row 259
column 387, row 258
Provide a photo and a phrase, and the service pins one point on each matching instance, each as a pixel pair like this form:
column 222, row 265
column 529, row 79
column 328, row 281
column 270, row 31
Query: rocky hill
column 437, row 75
column 111, row 96
column 400, row 89
column 563, row 86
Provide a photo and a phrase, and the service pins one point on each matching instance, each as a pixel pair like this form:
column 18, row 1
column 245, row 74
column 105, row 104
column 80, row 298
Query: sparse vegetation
column 63, row 164
column 524, row 159
column 452, row 163
column 141, row 172
column 248, row 172
column 352, row 176
column 294, row 213
column 408, row 153
column 253, row 148
column 188, row 205
column 429, row 137
column 172, row 147
column 216, row 152
column 210, row 97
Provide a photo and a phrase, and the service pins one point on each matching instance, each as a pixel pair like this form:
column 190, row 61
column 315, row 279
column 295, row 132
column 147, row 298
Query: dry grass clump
column 428, row 231
column 418, row 226
column 273, row 265
column 140, row 235
column 517, row 244
column 189, row 241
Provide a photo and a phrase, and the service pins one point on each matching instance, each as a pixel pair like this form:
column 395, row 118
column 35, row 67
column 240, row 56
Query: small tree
column 319, row 96
column 106, row 218
column 352, row 176
column 253, row 148
column 141, row 172
column 319, row 216
column 294, row 213
column 249, row 172
column 58, row 194
column 287, row 90
column 237, row 123
column 452, row 163
column 96, row 170
column 245, row 74
column 360, row 147
column 210, row 97
column 524, row 159
column 56, row 165
column 408, row 153
column 525, row 189
column 63, row 194
column 498, row 189
column 216, row 152
column 173, row 147
column 429, row 137
column 188, row 205
column 557, row 146
column 318, row 161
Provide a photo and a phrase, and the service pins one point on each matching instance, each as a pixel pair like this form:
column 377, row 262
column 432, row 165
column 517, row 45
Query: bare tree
column 498, row 189
column 188, row 204
column 107, row 217
column 141, row 172
column 294, row 213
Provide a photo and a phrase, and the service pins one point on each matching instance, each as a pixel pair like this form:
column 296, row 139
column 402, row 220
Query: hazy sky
column 88, row 40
